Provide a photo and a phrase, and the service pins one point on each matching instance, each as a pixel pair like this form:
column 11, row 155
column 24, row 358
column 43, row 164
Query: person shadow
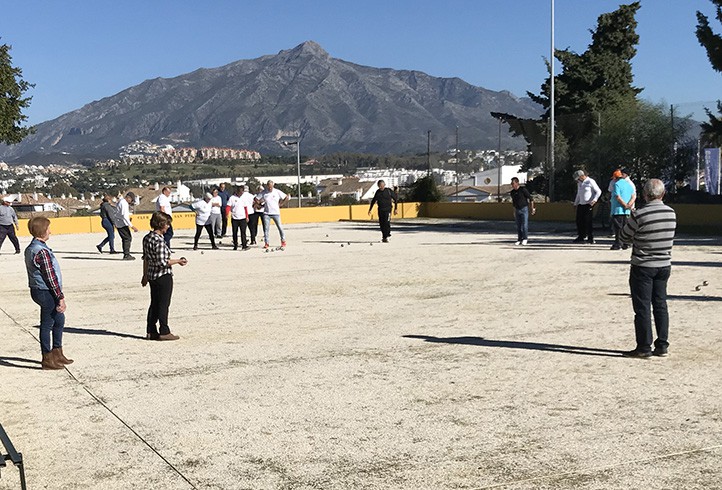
column 514, row 344
column 97, row 331
column 19, row 362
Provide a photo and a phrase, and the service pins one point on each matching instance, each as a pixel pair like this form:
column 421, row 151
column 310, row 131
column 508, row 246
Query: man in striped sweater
column 651, row 232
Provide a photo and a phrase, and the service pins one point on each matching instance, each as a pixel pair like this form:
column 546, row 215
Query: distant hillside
column 336, row 105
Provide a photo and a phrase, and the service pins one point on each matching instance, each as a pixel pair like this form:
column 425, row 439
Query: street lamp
column 552, row 125
column 290, row 141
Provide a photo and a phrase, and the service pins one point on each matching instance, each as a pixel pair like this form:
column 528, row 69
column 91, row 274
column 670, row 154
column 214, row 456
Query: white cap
column 8, row 199
column 209, row 195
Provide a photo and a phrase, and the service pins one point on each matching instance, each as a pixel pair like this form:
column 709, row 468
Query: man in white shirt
column 588, row 193
column 238, row 205
column 272, row 200
column 163, row 204
column 257, row 214
column 216, row 218
column 202, row 209
column 124, row 225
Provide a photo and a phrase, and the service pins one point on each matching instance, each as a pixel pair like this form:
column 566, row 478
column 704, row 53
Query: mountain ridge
column 336, row 105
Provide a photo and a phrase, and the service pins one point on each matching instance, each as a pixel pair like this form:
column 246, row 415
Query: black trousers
column 9, row 231
column 126, row 238
column 648, row 286
column 618, row 222
column 161, row 290
column 209, row 229
column 168, row 235
column 253, row 226
column 585, row 228
column 385, row 222
column 239, row 223
column 224, row 221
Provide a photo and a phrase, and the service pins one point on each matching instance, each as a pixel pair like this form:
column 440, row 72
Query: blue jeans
column 267, row 224
column 50, row 320
column 110, row 239
column 522, row 222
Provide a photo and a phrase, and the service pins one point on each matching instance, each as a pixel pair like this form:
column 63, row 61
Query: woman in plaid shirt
column 46, row 289
column 157, row 272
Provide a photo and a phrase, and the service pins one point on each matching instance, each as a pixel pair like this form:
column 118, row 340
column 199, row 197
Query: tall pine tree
column 12, row 102
column 712, row 42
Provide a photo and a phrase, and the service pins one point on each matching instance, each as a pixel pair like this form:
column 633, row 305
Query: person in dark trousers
column 651, row 231
column 9, row 224
column 46, row 290
column 522, row 201
column 107, row 211
column 224, row 195
column 238, row 205
column 384, row 197
column 588, row 193
column 257, row 214
column 623, row 197
column 124, row 225
column 158, row 273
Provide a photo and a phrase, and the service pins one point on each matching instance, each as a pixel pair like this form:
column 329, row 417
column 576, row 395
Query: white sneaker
column 517, row 243
column 523, row 242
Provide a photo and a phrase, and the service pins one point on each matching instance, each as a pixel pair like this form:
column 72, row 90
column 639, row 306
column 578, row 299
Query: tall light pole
column 428, row 151
column 457, row 163
column 290, row 142
column 498, row 167
column 552, row 121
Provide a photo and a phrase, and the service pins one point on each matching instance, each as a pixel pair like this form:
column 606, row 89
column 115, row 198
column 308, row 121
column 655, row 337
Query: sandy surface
column 447, row 358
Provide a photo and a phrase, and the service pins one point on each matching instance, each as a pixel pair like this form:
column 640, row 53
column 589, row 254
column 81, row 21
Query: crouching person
column 46, row 289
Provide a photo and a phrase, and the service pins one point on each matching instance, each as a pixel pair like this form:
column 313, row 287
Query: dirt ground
column 448, row 358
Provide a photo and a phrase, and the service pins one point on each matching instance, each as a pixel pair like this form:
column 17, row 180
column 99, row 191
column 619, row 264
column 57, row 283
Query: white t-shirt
column 271, row 200
column 216, row 209
column 237, row 207
column 122, row 214
column 203, row 211
column 163, row 204
column 247, row 199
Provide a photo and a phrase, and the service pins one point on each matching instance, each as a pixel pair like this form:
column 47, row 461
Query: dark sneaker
column 215, row 247
column 660, row 352
column 128, row 257
column 235, row 247
column 17, row 252
column 615, row 247
column 149, row 336
column 385, row 240
column 245, row 249
column 195, row 247
column 625, row 247
column 640, row 354
column 100, row 249
column 591, row 241
column 113, row 252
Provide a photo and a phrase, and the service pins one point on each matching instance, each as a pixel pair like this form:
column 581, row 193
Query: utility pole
column 498, row 167
column 428, row 151
column 552, row 121
column 673, row 150
column 457, row 163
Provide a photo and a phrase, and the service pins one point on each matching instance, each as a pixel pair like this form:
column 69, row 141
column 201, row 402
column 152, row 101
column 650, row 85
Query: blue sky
column 83, row 50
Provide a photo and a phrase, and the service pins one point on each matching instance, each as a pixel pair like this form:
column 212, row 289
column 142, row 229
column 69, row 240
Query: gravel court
column 447, row 358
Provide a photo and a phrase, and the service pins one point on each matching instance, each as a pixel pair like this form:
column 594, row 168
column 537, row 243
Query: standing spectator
column 158, row 274
column 215, row 221
column 272, row 200
column 163, row 205
column 384, row 197
column 257, row 215
column 238, row 207
column 46, row 290
column 107, row 211
column 202, row 209
column 588, row 193
column 123, row 224
column 623, row 197
column 521, row 199
column 650, row 230
column 224, row 195
column 9, row 224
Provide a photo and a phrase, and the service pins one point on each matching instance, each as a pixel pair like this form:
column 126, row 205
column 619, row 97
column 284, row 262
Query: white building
column 491, row 177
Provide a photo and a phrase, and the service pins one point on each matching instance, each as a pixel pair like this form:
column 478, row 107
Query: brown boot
column 49, row 361
column 60, row 357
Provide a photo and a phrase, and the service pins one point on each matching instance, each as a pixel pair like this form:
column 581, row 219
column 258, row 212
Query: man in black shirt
column 521, row 199
column 384, row 197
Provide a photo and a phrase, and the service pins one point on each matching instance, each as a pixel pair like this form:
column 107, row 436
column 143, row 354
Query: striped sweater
column 651, row 231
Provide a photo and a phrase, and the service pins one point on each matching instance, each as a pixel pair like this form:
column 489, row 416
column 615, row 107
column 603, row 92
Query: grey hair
column 579, row 173
column 654, row 189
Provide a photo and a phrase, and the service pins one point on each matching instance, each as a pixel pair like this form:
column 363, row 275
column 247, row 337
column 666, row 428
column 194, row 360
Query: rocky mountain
column 336, row 106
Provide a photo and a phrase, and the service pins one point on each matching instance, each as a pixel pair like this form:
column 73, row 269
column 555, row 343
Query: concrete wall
column 184, row 221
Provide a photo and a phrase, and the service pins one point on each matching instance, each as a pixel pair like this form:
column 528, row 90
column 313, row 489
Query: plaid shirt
column 156, row 254
column 44, row 262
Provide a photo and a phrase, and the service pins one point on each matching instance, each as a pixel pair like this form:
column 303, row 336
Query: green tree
column 712, row 43
column 424, row 190
column 12, row 102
